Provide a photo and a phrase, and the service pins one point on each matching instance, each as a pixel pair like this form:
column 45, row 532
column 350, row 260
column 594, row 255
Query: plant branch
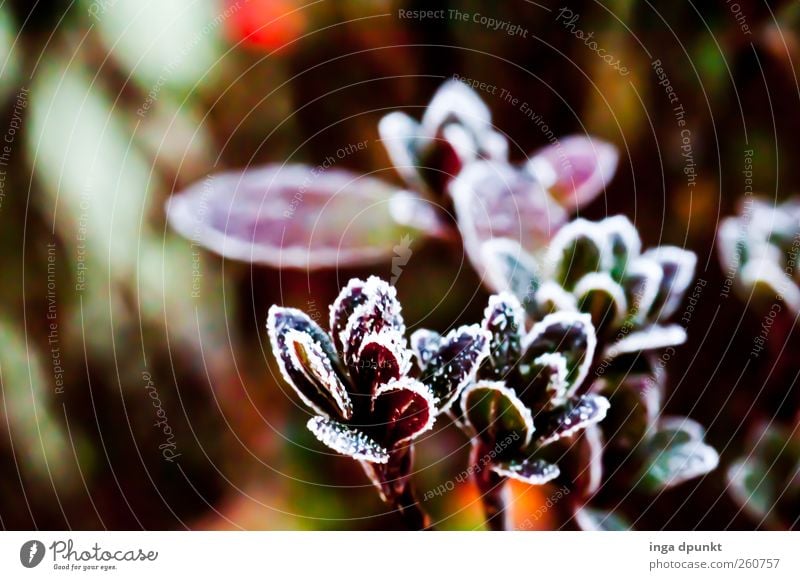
column 494, row 492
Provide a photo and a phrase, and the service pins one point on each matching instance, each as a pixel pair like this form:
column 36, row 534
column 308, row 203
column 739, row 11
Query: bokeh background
column 110, row 106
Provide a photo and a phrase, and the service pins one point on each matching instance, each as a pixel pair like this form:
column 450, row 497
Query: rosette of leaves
column 455, row 158
column 759, row 252
column 526, row 398
column 766, row 481
column 356, row 380
column 600, row 270
column 456, row 128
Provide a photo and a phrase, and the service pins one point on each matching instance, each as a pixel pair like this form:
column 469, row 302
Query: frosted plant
column 759, row 250
column 599, row 268
column 455, row 158
column 356, row 379
column 596, row 273
column 528, row 395
column 289, row 215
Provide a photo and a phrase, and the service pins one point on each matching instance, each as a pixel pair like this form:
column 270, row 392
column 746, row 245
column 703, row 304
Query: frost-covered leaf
column 624, row 242
column 766, row 280
column 455, row 130
column 575, row 169
column 545, row 381
column 400, row 134
column 572, row 417
column 510, row 269
column 381, row 359
column 496, row 200
column 350, row 297
column 402, row 410
column 532, row 471
column 346, row 440
column 641, row 283
column 455, row 363
column 650, row 338
column 551, row 298
column 425, row 344
column 503, row 320
column 307, row 360
column 290, row 216
column 578, row 248
column 455, row 102
column 732, row 245
column 378, row 312
column 495, row 414
column 634, row 408
column 307, row 356
column 568, row 333
column 677, row 267
column 752, row 486
column 602, row 298
column 676, row 454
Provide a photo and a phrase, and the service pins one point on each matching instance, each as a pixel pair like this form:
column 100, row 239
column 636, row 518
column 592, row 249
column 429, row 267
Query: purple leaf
column 546, row 381
column 455, row 363
column 380, row 310
column 425, row 344
column 532, row 471
column 504, row 320
column 346, row 440
column 574, row 416
column 575, row 169
column 350, row 297
column 495, row 200
column 403, row 409
column 568, row 333
column 307, row 361
column 290, row 216
column 381, row 359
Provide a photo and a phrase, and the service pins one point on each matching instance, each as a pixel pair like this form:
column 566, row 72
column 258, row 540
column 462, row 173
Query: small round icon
column 31, row 553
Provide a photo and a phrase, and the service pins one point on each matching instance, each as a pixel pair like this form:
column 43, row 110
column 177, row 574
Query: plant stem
column 494, row 492
column 412, row 513
column 393, row 481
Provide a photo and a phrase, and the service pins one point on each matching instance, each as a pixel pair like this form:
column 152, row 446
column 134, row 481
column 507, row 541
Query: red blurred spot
column 265, row 24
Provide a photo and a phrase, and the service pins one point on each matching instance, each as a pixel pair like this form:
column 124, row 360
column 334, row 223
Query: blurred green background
column 113, row 328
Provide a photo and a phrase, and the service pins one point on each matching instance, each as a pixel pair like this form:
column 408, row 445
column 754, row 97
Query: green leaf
column 532, row 471
column 495, row 414
column 578, row 248
column 676, row 454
